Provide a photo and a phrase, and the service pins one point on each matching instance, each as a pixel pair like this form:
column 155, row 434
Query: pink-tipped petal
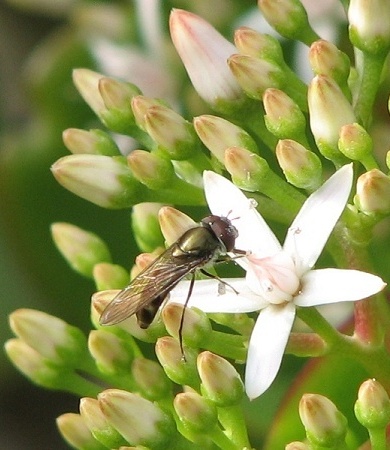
column 315, row 221
column 266, row 347
column 325, row 286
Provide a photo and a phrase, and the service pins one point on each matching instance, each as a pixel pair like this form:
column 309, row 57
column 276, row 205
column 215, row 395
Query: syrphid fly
column 195, row 249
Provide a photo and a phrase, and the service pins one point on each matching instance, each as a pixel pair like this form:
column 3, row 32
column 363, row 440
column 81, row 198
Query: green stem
column 378, row 438
column 221, row 440
column 369, row 83
column 227, row 345
column 232, row 419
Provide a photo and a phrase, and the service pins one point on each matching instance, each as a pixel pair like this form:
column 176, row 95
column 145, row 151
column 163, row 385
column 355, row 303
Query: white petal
column 225, row 199
column 211, row 296
column 320, row 287
column 266, row 347
column 315, row 221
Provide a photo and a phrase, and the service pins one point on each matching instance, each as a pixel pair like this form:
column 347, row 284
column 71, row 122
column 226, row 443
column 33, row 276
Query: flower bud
column 139, row 421
column 109, row 276
column 32, row 364
column 174, row 223
column 92, row 142
column 252, row 43
column 326, row 59
column 145, row 224
column 297, row 446
column 174, row 135
column 301, row 167
column 152, row 170
column 373, row 193
column 372, row 408
column 54, row 339
column 355, row 143
column 325, row 425
column 196, row 326
column 369, row 25
column 76, row 433
column 195, row 412
column 283, row 118
column 97, row 423
column 180, row 369
column 117, row 96
column 248, row 170
column 113, row 356
column 288, row 18
column 221, row 383
column 204, row 53
column 150, row 378
column 140, row 105
column 256, row 75
column 218, row 134
column 102, row 180
column 87, row 83
column 329, row 111
column 81, row 249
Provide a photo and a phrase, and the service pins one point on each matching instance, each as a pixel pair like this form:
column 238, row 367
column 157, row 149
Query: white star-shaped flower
column 278, row 278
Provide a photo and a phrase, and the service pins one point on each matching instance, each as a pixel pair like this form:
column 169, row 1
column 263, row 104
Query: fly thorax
column 273, row 278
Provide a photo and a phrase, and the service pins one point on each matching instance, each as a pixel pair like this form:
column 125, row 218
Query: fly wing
column 155, row 281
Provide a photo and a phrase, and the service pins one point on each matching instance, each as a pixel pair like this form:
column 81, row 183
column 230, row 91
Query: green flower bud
column 329, row 111
column 112, row 355
column 218, row 134
column 145, row 224
column 81, row 249
column 373, row 193
column 97, row 423
column 221, row 383
column 174, row 135
column 301, row 167
column 326, row 59
column 196, row 328
column 355, row 143
column 179, row 369
column 152, row 170
column 289, row 18
column 150, row 378
column 324, row 424
column 109, row 276
column 76, row 433
column 252, row 43
column 139, row 421
column 103, row 180
column 195, row 412
column 372, row 408
column 369, row 25
column 32, row 364
column 140, row 105
column 256, row 75
column 92, row 142
column 283, row 118
column 174, row 223
column 247, row 169
column 60, row 343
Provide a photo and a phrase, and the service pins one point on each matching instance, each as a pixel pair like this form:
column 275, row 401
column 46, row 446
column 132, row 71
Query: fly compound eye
column 223, row 229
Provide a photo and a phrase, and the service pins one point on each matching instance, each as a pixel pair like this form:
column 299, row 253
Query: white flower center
column 273, row 277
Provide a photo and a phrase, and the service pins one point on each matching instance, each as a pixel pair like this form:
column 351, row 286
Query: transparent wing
column 155, row 281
